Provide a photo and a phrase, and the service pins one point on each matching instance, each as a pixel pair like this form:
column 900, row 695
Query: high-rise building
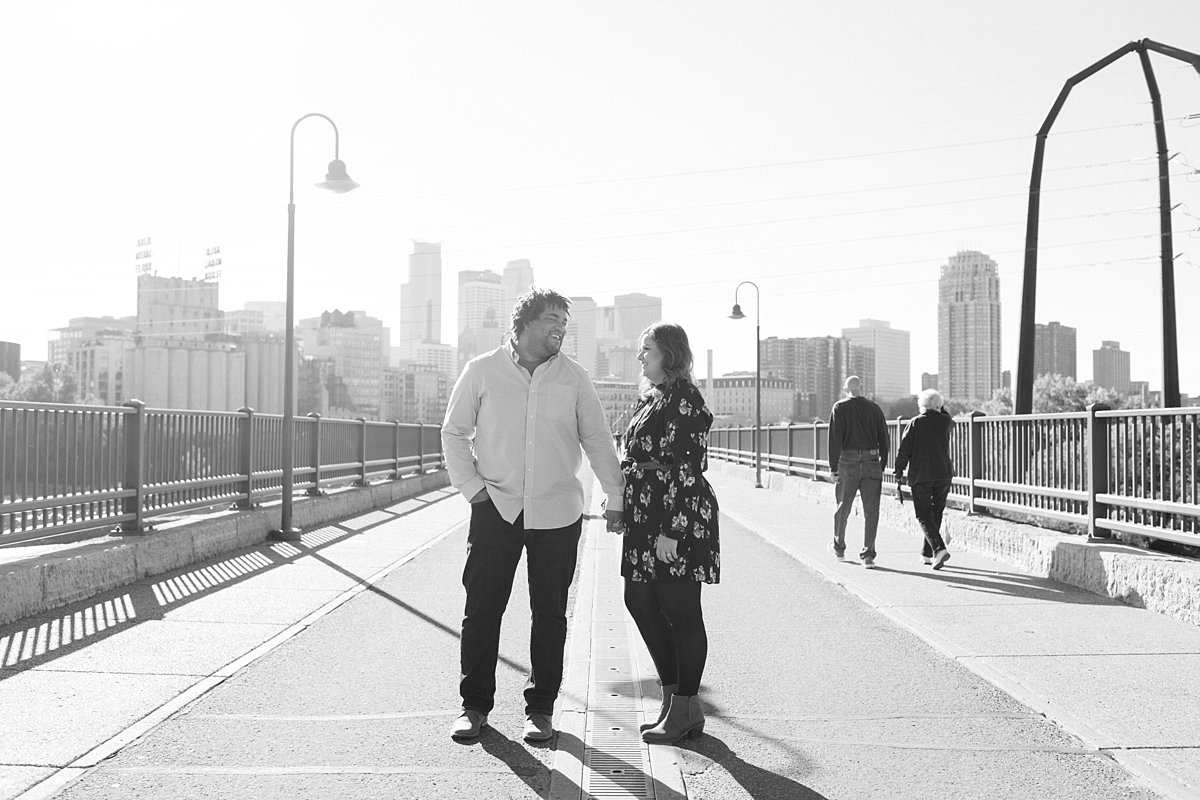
column 889, row 354
column 635, row 313
column 354, row 344
column 421, row 297
column 929, row 380
column 480, row 312
column 817, row 367
column 1110, row 367
column 969, row 327
column 580, row 341
column 10, row 360
column 415, row 393
column 518, row 279
column 1054, row 350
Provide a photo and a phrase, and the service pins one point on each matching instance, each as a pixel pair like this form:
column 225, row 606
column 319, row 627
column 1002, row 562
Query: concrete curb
column 1168, row 585
column 73, row 573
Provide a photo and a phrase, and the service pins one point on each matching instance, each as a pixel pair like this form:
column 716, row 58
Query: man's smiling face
column 543, row 337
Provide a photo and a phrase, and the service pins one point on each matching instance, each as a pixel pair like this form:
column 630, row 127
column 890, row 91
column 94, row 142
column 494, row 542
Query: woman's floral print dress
column 670, row 428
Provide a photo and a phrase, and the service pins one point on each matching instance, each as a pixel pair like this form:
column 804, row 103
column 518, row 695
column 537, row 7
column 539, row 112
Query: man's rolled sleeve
column 458, row 429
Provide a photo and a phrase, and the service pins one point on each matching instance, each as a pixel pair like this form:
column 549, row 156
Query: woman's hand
column 666, row 549
column 614, row 521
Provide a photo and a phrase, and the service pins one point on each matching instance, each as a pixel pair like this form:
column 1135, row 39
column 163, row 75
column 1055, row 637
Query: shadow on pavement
column 1005, row 583
column 514, row 756
column 758, row 783
column 41, row 639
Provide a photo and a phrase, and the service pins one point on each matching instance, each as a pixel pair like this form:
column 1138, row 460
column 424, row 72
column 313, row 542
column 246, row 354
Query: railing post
column 362, row 451
column 135, row 469
column 246, row 456
column 395, row 449
column 1097, row 461
column 975, row 461
column 314, row 455
column 816, row 469
column 789, row 452
column 420, row 448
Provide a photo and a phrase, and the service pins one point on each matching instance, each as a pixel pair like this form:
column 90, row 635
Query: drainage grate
column 616, row 763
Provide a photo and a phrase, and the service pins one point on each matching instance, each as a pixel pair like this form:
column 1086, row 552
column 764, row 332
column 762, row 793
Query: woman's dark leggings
column 671, row 622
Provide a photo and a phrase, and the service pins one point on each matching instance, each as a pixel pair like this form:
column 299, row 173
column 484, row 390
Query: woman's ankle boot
column 668, row 690
column 685, row 717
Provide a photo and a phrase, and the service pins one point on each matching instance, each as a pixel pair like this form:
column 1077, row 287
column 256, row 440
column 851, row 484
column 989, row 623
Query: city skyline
column 157, row 319
column 700, row 151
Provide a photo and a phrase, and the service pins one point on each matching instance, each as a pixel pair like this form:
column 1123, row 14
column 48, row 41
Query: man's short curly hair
column 530, row 306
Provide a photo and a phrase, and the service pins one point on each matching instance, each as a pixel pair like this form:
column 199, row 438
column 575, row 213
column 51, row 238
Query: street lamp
column 336, row 180
column 737, row 314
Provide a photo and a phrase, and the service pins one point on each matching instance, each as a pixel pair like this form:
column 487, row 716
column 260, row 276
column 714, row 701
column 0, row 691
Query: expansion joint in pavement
column 601, row 754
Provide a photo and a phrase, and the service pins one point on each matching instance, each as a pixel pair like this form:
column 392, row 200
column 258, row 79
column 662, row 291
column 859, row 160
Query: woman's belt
column 652, row 465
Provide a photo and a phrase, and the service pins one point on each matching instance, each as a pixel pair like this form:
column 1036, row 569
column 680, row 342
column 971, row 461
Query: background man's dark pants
column 493, row 552
column 929, row 501
column 859, row 472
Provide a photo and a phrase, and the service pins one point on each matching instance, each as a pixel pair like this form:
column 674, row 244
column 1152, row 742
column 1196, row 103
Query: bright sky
column 834, row 153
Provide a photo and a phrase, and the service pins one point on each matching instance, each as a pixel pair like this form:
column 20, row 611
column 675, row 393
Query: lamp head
column 336, row 180
column 737, row 312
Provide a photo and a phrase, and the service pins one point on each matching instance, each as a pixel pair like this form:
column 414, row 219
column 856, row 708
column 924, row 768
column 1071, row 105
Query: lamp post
column 737, row 314
column 336, row 180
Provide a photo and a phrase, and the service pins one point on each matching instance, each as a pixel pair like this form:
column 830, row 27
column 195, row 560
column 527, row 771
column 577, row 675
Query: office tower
column 415, row 393
column 816, row 367
column 929, row 380
column 352, row 345
column 518, row 279
column 10, row 360
column 481, row 313
column 580, row 342
column 889, row 354
column 969, row 327
column 1054, row 350
column 635, row 313
column 1110, row 367
column 421, row 297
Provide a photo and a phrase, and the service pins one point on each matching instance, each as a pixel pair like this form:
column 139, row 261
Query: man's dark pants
column 929, row 501
column 859, row 472
column 493, row 552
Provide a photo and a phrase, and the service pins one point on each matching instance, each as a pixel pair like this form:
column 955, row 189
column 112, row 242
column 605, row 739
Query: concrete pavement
column 329, row 669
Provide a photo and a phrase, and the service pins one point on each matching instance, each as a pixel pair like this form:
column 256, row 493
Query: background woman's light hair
column 930, row 398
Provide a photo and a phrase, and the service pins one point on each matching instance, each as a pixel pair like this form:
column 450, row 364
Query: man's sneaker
column 926, row 559
column 868, row 562
column 538, row 728
column 468, row 725
column 940, row 558
column 838, row 555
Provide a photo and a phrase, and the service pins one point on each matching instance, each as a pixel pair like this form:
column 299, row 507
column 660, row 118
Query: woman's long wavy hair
column 672, row 340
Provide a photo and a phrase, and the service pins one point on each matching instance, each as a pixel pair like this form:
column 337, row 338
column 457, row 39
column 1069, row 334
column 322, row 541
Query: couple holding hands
column 517, row 424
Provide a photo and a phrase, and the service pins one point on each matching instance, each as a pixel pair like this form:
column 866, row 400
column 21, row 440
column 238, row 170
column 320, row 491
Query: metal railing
column 68, row 469
column 1099, row 471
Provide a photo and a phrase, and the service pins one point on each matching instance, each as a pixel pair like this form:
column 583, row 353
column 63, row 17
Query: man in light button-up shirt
column 518, row 422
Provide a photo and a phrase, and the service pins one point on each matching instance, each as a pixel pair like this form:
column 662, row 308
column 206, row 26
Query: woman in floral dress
column 671, row 545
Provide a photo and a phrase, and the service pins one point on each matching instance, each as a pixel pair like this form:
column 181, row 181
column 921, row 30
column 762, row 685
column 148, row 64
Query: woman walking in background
column 925, row 453
column 671, row 545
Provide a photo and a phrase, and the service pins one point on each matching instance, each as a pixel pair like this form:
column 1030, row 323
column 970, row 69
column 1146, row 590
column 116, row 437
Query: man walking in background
column 858, row 451
column 514, row 427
